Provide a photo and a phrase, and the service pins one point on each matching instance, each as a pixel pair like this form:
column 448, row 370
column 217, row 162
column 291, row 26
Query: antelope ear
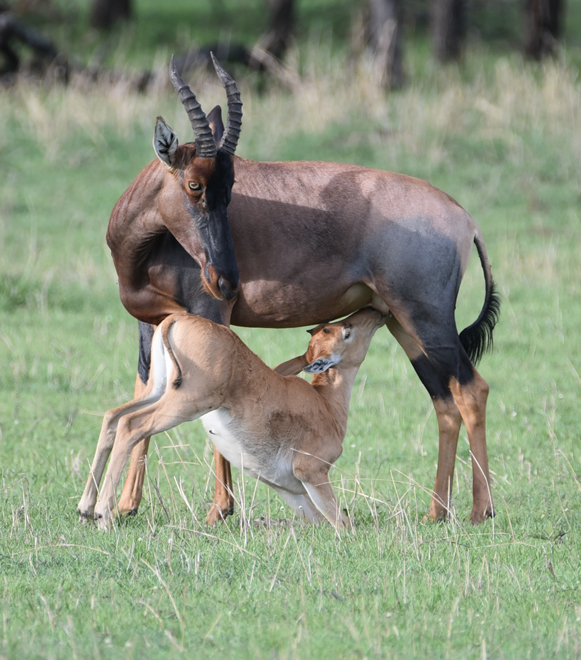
column 165, row 142
column 216, row 125
column 292, row 367
column 320, row 365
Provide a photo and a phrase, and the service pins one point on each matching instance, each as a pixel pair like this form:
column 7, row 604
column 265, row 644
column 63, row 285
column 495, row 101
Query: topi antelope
column 278, row 428
column 314, row 242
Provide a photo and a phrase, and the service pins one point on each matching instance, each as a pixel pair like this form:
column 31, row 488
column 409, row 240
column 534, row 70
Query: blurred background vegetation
column 96, row 36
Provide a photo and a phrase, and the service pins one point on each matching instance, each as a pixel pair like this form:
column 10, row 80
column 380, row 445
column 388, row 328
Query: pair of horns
column 205, row 145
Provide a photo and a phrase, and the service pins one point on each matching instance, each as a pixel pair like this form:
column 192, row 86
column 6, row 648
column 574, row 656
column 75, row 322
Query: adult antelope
column 277, row 427
column 313, row 242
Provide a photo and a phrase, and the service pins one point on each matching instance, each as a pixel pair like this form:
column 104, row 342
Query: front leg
column 223, row 505
column 321, row 493
column 313, row 472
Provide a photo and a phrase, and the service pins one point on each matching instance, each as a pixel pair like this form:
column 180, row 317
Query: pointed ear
column 320, row 365
column 292, row 367
column 215, row 121
column 165, row 142
column 313, row 331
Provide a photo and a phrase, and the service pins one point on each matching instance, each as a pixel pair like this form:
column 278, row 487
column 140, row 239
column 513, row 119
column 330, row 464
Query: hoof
column 127, row 508
column 219, row 514
column 104, row 521
column 436, row 515
column 85, row 515
column 478, row 516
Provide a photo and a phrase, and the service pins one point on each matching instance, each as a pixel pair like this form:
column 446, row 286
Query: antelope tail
column 477, row 338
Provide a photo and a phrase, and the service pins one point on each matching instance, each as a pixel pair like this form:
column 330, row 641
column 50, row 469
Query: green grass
column 505, row 142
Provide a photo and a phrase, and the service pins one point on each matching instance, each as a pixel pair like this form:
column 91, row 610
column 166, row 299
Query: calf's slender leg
column 302, row 505
column 321, row 493
column 133, row 488
column 313, row 471
column 104, row 446
column 171, row 409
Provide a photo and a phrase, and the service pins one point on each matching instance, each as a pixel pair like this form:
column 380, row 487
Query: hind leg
column 173, row 408
column 133, row 487
column 104, row 446
column 470, row 394
column 459, row 394
column 447, row 413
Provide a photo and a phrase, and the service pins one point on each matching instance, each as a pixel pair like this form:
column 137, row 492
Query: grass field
column 502, row 138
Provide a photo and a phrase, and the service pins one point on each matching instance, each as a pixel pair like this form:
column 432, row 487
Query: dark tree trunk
column 384, row 30
column 448, row 29
column 106, row 13
column 12, row 31
column 280, row 25
column 543, row 22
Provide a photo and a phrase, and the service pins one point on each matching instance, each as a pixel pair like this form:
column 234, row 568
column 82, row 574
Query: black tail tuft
column 477, row 338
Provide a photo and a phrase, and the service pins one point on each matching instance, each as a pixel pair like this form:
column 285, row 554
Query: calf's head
column 342, row 344
column 198, row 186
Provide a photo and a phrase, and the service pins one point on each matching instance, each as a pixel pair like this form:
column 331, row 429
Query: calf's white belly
column 231, row 442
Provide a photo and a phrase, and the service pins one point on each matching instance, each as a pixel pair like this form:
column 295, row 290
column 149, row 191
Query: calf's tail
column 166, row 326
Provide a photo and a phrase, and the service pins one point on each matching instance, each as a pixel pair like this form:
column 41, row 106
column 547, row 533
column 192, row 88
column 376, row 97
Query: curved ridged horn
column 205, row 145
column 234, row 118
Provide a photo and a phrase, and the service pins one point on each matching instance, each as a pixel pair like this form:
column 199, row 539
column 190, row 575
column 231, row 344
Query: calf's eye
column 195, row 186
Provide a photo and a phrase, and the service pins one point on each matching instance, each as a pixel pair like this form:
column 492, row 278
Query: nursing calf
column 278, row 428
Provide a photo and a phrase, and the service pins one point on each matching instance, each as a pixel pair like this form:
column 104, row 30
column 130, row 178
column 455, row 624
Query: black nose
column 228, row 292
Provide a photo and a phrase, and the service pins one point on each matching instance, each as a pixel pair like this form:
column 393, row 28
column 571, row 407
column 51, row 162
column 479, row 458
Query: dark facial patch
column 217, row 175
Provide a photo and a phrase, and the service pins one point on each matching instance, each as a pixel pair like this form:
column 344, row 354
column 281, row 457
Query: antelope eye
column 326, row 330
column 195, row 186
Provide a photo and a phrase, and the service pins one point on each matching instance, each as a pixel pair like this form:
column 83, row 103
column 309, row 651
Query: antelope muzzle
column 220, row 285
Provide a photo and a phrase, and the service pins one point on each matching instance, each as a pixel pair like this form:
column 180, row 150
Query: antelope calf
column 277, row 427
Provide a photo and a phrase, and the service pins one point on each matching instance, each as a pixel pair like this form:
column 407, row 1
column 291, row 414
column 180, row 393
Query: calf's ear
column 165, row 142
column 292, row 367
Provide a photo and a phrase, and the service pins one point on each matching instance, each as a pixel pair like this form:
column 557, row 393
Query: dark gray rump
column 418, row 270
